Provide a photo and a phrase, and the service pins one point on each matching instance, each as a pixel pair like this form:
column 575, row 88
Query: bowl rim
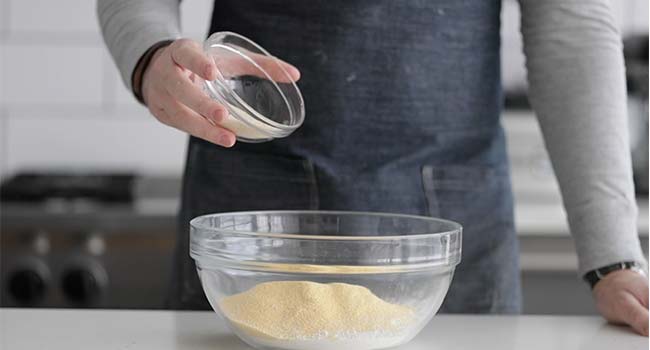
column 457, row 228
column 216, row 39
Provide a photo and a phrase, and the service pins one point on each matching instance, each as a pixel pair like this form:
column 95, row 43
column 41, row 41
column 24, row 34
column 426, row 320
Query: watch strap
column 592, row 277
column 141, row 67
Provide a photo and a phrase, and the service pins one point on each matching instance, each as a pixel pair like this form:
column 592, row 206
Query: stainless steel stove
column 87, row 240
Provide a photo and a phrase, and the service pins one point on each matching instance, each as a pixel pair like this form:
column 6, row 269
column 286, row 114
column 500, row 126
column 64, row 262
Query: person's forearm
column 131, row 27
column 577, row 89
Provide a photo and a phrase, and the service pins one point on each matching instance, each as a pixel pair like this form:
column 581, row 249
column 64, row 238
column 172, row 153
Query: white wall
column 62, row 104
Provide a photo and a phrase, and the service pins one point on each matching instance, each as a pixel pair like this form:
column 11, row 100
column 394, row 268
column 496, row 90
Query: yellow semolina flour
column 299, row 310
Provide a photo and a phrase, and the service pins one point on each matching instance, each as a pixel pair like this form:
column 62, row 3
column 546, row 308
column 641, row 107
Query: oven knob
column 81, row 286
column 27, row 286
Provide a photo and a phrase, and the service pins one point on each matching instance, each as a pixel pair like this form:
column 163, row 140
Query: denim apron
column 403, row 101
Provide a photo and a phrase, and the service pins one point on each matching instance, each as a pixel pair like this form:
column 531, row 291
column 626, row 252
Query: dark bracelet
column 143, row 63
column 592, row 277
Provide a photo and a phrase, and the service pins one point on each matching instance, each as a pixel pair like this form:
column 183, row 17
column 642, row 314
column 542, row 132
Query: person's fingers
column 637, row 284
column 274, row 67
column 231, row 64
column 182, row 88
column 641, row 293
column 634, row 314
column 189, row 54
column 183, row 118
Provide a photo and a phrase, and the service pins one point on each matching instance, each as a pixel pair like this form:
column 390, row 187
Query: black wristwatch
column 592, row 277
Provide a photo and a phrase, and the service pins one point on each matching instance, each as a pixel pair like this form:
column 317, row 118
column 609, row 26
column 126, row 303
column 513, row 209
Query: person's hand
column 622, row 297
column 172, row 88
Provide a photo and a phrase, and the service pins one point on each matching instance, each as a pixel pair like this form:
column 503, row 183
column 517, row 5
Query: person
column 403, row 102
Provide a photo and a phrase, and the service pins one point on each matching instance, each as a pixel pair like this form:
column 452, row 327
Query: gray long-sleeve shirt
column 577, row 88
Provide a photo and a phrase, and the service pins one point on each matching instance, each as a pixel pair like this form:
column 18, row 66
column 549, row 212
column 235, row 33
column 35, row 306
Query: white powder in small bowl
column 254, row 130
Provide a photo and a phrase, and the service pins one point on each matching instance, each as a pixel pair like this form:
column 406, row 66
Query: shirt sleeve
column 130, row 27
column 577, row 89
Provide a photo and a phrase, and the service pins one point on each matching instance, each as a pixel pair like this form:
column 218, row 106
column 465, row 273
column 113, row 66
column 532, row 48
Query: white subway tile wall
column 58, row 143
column 62, row 104
column 61, row 16
column 195, row 18
column 632, row 15
column 5, row 18
column 52, row 75
column 2, row 58
column 513, row 72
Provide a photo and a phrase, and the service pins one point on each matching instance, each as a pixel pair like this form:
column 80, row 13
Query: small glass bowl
column 263, row 101
column 402, row 259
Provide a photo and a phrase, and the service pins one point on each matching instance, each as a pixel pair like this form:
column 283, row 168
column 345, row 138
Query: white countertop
column 56, row 329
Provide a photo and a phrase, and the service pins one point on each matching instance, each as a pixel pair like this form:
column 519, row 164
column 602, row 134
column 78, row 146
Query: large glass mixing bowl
column 403, row 260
